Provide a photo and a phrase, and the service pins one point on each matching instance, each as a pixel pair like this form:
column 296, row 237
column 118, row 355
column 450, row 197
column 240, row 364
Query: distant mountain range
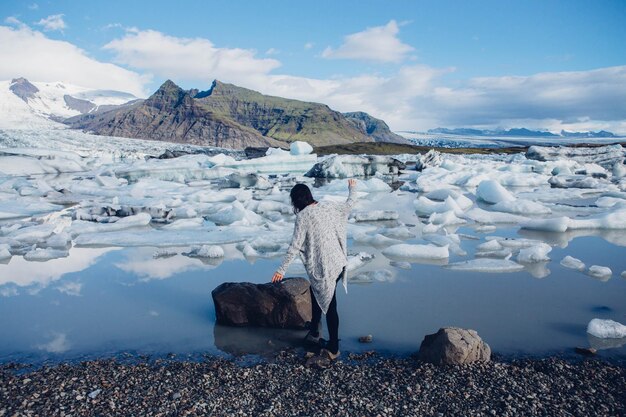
column 225, row 115
column 521, row 132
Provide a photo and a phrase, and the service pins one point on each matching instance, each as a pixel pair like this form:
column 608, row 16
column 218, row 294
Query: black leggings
column 332, row 318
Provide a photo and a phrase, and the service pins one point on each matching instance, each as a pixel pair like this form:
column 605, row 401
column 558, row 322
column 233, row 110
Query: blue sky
column 416, row 64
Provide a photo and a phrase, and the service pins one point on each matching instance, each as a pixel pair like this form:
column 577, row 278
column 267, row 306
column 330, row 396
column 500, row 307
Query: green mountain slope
column 232, row 117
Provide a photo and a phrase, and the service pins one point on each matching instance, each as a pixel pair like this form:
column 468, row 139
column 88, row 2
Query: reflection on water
column 102, row 301
column 258, row 341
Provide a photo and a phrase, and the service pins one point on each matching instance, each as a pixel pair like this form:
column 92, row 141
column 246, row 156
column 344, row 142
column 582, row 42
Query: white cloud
column 576, row 98
column 272, row 51
column 29, row 53
column 14, row 21
column 53, row 22
column 379, row 43
column 188, row 58
column 33, row 6
column 309, row 45
column 414, row 97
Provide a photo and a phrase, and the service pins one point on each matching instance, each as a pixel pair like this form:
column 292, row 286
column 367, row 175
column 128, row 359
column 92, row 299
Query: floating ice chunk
column 181, row 224
column 432, row 158
column 400, row 232
column 236, row 213
column 208, row 251
column 169, row 238
column 573, row 263
column 33, row 234
column 492, row 192
column 375, row 215
column 556, row 224
column 381, row 275
column 347, row 166
column 452, row 241
column 490, row 245
column 606, row 202
column 58, row 240
column 164, row 253
column 138, row 220
column 400, row 264
column 16, row 208
column 442, row 194
column 619, row 169
column 41, row 255
column 504, row 253
column 445, row 218
column 538, row 253
column 483, row 216
column 606, row 329
column 377, row 240
column 275, row 161
column 486, row 265
column 359, row 260
column 425, row 207
column 520, row 206
column 578, row 181
column 412, row 251
column 300, row 148
column 248, row 251
column 485, row 228
column 602, row 273
column 612, row 220
column 516, row 243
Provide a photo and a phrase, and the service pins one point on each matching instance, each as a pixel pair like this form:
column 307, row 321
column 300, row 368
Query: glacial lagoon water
column 100, row 302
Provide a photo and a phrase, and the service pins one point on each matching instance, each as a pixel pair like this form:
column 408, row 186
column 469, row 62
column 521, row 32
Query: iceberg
column 486, row 265
column 489, row 217
column 537, row 253
column 206, row 251
column 358, row 261
column 573, row 263
column 348, row 166
column 414, row 251
column 491, row 191
column 602, row 273
column 606, row 329
column 43, row 255
column 375, row 215
column 300, row 148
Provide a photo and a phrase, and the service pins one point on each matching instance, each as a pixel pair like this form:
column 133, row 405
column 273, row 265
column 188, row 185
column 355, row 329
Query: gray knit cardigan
column 319, row 236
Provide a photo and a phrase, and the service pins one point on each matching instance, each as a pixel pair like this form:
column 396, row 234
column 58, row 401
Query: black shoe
column 312, row 338
column 330, row 346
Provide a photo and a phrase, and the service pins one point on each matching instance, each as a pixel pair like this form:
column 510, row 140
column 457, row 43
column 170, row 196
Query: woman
column 319, row 236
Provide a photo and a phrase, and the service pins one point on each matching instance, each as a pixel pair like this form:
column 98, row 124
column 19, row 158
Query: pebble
column 355, row 384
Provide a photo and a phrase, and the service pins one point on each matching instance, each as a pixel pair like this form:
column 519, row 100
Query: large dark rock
column 283, row 305
column 455, row 346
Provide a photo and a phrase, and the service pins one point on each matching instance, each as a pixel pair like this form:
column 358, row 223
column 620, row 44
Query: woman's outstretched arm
column 351, row 195
column 299, row 233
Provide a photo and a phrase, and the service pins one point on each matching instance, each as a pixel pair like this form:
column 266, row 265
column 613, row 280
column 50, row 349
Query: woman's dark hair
column 301, row 197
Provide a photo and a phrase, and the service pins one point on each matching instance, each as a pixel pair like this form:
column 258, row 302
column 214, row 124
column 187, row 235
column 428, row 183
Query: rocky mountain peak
column 168, row 95
column 22, row 88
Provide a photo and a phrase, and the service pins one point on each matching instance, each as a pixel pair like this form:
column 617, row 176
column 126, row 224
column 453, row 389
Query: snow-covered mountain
column 25, row 104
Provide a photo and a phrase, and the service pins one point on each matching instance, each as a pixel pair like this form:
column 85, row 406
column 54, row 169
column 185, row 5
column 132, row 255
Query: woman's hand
column 351, row 182
column 277, row 277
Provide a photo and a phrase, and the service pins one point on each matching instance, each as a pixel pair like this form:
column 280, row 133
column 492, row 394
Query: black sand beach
column 356, row 385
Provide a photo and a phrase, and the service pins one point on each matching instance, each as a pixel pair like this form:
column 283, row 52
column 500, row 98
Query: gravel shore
column 355, row 385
